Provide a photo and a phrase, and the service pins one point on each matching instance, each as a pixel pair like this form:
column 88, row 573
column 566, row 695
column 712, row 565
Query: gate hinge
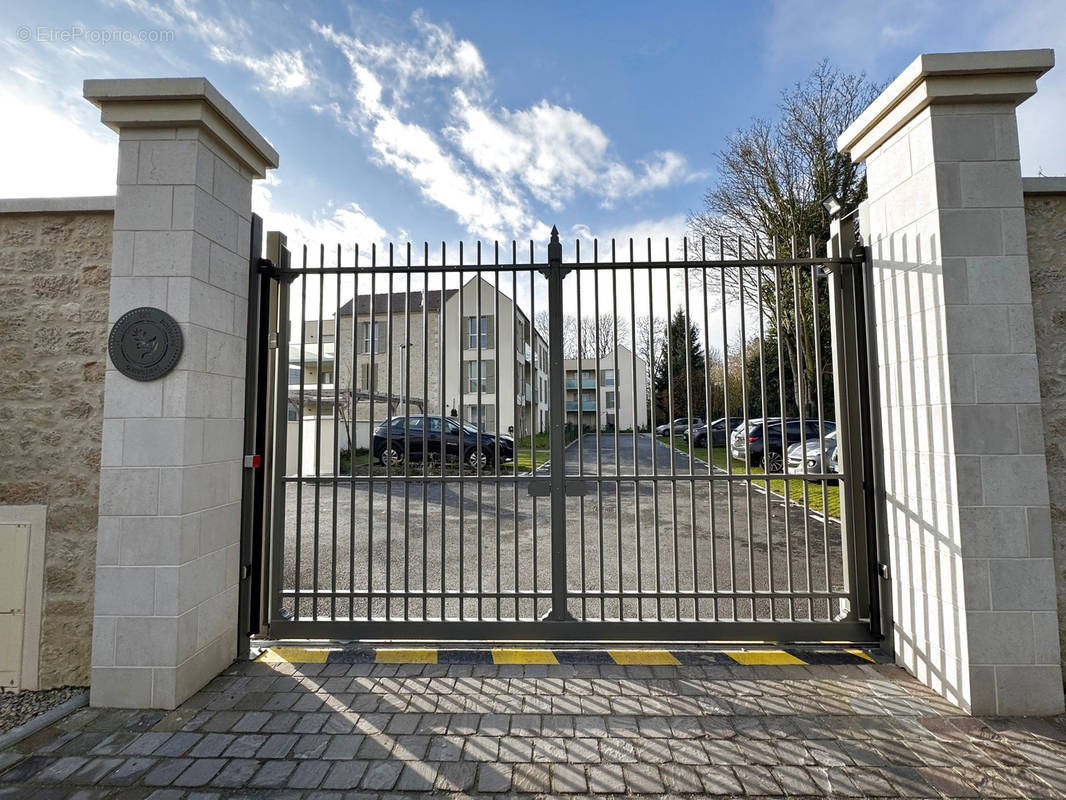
column 882, row 570
column 272, row 340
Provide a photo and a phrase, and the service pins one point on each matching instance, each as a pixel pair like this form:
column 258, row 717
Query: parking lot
column 694, row 541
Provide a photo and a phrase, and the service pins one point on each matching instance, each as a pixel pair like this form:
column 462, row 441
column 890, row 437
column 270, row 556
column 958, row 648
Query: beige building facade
column 612, row 389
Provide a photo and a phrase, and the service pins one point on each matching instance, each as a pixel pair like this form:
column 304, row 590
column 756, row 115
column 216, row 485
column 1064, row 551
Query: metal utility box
column 21, row 584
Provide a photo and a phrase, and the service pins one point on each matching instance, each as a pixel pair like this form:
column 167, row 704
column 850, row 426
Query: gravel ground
column 16, row 709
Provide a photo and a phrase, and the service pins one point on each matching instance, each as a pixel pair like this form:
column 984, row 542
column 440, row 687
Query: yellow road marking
column 859, row 653
column 398, row 655
column 763, row 657
column 644, row 658
column 511, row 655
column 294, row 655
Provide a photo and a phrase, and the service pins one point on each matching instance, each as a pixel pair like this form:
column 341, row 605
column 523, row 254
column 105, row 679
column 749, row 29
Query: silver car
column 678, row 427
column 811, row 453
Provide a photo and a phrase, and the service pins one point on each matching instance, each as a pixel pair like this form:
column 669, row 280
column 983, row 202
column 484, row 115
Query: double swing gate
column 463, row 445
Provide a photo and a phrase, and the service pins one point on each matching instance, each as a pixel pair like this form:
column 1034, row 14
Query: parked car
column 678, row 426
column 766, row 443
column 443, row 438
column 811, row 453
column 719, row 429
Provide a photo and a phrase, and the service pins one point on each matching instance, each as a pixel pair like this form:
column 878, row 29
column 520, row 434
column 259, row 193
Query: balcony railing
column 586, row 383
column 586, row 405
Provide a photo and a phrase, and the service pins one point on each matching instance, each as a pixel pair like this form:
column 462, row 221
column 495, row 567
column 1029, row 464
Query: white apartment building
column 495, row 369
column 393, row 353
column 607, row 387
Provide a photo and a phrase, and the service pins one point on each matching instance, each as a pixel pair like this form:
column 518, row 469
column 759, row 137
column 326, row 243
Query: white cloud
column 49, row 153
column 230, row 40
column 347, row 225
column 282, row 72
column 487, row 166
column 672, row 228
column 485, row 207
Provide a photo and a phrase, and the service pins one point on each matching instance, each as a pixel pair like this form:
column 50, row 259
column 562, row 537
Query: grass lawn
column 541, row 446
column 720, row 458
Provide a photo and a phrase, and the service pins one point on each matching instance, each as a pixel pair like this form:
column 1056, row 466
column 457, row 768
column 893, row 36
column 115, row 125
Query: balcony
column 586, row 405
column 586, row 383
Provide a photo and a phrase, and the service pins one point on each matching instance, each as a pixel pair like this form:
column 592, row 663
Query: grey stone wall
column 1045, row 219
column 53, row 340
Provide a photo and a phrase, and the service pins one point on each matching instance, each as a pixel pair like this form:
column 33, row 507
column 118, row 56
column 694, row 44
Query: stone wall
column 53, row 341
column 1045, row 219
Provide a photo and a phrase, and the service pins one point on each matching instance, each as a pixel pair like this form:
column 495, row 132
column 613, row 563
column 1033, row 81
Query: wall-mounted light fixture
column 833, row 206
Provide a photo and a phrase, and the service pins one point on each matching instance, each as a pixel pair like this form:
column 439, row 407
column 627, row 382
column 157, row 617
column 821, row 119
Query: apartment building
column 495, row 369
column 613, row 387
column 438, row 352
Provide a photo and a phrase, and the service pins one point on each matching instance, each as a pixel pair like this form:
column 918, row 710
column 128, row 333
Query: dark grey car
column 719, row 431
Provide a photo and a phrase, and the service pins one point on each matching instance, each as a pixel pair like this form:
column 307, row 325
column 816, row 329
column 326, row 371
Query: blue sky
column 465, row 120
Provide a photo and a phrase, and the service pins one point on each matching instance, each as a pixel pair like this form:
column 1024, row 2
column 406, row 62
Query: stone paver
column 377, row 730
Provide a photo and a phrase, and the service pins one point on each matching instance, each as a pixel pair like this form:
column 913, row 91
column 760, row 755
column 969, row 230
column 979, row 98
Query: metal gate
column 463, row 445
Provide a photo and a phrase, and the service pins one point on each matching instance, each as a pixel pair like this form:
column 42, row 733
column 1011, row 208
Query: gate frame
column 263, row 519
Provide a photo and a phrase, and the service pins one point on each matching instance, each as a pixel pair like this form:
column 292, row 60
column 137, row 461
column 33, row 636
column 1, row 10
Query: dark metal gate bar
column 434, row 477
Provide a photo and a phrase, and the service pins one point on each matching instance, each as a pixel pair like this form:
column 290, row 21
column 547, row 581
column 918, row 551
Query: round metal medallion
column 145, row 344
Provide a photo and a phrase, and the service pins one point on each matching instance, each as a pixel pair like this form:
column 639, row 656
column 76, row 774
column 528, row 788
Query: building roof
column 399, row 302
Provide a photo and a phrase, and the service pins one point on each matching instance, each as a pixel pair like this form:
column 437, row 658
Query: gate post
column 965, row 495
column 165, row 614
column 557, row 427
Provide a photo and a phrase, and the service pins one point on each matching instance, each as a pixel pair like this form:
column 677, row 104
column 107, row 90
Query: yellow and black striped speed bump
column 761, row 656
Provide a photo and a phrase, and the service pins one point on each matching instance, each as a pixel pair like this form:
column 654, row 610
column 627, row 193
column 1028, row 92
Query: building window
column 607, row 377
column 478, row 332
column 482, row 379
column 610, row 399
column 294, row 376
column 372, row 338
column 482, row 416
column 368, row 377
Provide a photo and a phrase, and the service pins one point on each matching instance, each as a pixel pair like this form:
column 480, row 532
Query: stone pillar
column 966, row 493
column 165, row 616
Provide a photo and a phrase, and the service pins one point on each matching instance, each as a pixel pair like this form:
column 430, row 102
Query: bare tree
column 649, row 334
column 772, row 177
column 598, row 336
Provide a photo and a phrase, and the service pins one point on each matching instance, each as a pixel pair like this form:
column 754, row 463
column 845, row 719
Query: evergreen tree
column 679, row 372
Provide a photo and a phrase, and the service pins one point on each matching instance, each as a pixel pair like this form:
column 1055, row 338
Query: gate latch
column 540, row 487
column 576, row 488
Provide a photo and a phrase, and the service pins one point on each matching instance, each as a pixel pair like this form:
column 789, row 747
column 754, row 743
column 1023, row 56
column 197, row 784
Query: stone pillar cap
column 181, row 102
column 996, row 76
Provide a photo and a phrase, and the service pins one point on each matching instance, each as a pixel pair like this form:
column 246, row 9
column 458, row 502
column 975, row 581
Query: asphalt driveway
column 667, row 546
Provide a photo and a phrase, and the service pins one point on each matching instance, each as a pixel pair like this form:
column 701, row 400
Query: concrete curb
column 26, row 729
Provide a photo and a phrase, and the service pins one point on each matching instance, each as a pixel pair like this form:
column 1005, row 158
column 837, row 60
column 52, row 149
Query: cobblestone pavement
column 380, row 730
